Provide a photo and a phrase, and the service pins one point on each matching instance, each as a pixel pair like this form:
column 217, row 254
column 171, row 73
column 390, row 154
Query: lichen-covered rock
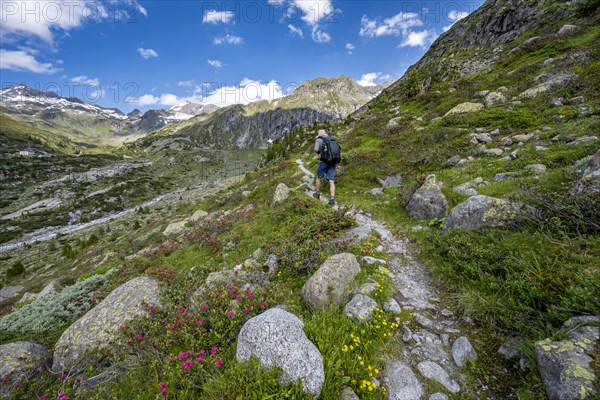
column 198, row 215
column 174, row 228
column 495, row 152
column 10, row 292
column 536, row 169
column 282, row 192
column 589, row 182
column 568, row 30
column 428, row 202
column 401, row 382
column 565, row 366
column 583, row 140
column 390, row 181
column 21, row 361
column 551, row 82
column 333, row 279
column 465, row 108
column 392, row 305
column 348, row 394
column 479, row 211
column 494, row 98
column 243, row 279
column 463, row 351
column 360, row 308
column 99, row 327
column 276, row 337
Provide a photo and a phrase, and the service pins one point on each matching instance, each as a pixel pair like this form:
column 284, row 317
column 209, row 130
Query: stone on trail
column 360, row 308
column 433, row 371
column 99, row 327
column 401, row 382
column 333, row 279
column 463, row 351
column 276, row 337
column 428, row 202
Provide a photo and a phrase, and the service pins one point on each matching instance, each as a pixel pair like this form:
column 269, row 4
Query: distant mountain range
column 86, row 124
column 257, row 124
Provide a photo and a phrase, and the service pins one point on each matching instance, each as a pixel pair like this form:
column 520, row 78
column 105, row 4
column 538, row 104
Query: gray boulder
column 99, row 328
column 479, row 211
column 334, row 278
column 433, row 371
column 282, row 192
column 428, row 202
column 494, row 98
column 10, row 292
column 277, row 339
column 438, row 396
column 462, row 351
column 583, row 140
column 392, row 305
column 568, row 30
column 510, row 349
column 401, row 382
column 348, row 394
column 565, row 366
column 465, row 108
column 198, row 215
column 174, row 228
column 589, row 182
column 536, row 169
column 360, row 308
column 390, row 181
column 22, row 361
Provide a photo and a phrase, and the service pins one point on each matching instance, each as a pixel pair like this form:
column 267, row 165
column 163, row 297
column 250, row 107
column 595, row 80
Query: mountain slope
column 86, row 124
column 254, row 125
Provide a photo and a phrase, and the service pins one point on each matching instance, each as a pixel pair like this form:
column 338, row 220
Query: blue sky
column 155, row 54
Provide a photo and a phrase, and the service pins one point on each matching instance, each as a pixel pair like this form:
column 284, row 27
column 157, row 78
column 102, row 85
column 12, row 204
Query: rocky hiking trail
column 437, row 350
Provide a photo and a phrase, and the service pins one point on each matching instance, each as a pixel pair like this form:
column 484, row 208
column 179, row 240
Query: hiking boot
column 332, row 202
column 317, row 195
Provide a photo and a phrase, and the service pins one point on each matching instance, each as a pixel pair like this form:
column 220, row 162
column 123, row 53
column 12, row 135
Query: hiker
column 329, row 152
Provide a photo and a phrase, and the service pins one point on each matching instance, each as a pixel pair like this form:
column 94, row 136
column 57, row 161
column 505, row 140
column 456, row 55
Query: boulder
column 483, row 137
column 360, row 308
column 272, row 264
column 568, row 30
column 333, row 279
column 504, row 176
column 390, row 181
column 22, row 361
column 510, row 349
column 433, row 371
column 551, row 82
column 394, row 122
column 479, row 211
column 463, row 351
column 276, row 337
column 401, row 382
column 99, row 328
column 566, row 366
column 367, row 289
column 465, row 108
column 174, row 228
column 245, row 280
column 589, row 182
column 493, row 152
column 392, row 305
column 438, row 396
column 428, row 202
column 348, row 394
column 494, row 98
column 282, row 192
column 582, row 140
column 198, row 215
column 8, row 293
column 469, row 188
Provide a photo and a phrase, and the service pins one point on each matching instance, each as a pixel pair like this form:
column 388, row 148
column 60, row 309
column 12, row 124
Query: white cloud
column 245, row 92
column 189, row 83
column 419, row 39
column 369, row 78
column 350, row 47
column 296, row 31
column 147, row 53
column 216, row 63
column 319, row 36
column 228, row 39
column 454, row 16
column 314, row 10
column 85, row 80
column 43, row 19
column 22, row 61
column 215, row 17
column 398, row 25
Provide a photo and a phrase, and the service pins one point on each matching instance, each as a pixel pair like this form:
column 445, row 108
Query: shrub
column 15, row 270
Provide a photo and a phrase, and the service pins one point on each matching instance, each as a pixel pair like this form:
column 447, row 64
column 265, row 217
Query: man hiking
column 329, row 155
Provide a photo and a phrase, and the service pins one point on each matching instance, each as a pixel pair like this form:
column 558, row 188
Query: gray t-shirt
column 318, row 144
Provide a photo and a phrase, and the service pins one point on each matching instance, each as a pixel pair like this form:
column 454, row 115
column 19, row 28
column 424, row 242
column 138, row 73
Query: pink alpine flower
column 63, row 396
column 188, row 364
column 219, row 363
column 214, row 350
column 230, row 314
column 263, row 304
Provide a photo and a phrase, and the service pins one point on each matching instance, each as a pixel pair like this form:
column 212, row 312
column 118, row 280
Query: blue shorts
column 325, row 168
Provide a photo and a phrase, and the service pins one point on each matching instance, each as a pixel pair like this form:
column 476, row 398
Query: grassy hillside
column 15, row 136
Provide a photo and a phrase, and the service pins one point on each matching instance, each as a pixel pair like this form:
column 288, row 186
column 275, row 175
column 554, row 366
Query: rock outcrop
column 334, row 278
column 99, row 328
column 277, row 339
column 401, row 382
column 22, row 361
